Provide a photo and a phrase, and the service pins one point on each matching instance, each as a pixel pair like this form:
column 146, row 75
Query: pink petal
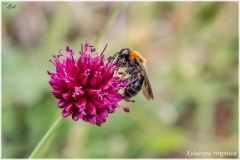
column 66, row 113
column 69, row 62
column 75, row 72
column 53, row 82
column 101, row 119
column 51, row 73
column 102, row 112
column 108, row 73
column 90, row 108
column 85, row 64
column 69, row 107
column 83, row 79
column 97, row 61
column 79, row 64
column 99, row 103
column 81, row 103
column 57, row 94
column 114, row 97
column 70, row 84
column 90, row 118
column 67, row 96
column 75, row 115
column 91, row 92
column 59, row 69
column 62, row 82
column 62, row 103
column 93, row 81
column 126, row 109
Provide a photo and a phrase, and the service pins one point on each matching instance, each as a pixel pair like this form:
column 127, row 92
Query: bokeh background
column 192, row 57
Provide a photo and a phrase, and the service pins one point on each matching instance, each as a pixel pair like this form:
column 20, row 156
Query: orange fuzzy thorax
column 135, row 54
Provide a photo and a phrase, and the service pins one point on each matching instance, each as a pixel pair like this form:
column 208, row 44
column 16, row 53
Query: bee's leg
column 113, row 57
column 127, row 71
column 123, row 75
column 128, row 100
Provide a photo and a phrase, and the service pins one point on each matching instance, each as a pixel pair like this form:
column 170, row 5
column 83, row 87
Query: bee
column 138, row 79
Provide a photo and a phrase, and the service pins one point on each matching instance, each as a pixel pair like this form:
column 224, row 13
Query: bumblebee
column 138, row 79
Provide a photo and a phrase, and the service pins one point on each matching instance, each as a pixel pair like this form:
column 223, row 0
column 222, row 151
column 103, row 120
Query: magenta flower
column 86, row 87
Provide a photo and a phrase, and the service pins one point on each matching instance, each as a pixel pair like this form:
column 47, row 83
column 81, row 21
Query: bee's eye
column 125, row 53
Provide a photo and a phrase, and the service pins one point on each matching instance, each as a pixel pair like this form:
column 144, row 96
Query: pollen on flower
column 86, row 86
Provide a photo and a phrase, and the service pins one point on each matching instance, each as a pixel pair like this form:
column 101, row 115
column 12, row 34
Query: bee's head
column 125, row 53
column 123, row 57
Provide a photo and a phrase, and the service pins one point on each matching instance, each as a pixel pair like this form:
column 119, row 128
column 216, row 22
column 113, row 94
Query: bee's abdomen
column 134, row 89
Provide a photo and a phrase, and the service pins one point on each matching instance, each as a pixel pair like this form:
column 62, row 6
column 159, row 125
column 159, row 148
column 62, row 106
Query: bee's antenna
column 114, row 56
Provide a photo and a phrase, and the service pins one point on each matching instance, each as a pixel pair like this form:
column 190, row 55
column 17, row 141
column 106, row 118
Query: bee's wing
column 146, row 89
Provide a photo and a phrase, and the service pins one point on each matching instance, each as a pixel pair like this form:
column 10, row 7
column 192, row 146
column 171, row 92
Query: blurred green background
column 192, row 63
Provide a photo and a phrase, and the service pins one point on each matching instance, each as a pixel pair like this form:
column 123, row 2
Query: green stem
column 107, row 24
column 47, row 136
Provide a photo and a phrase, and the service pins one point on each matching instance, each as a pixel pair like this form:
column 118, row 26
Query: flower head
column 86, row 87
